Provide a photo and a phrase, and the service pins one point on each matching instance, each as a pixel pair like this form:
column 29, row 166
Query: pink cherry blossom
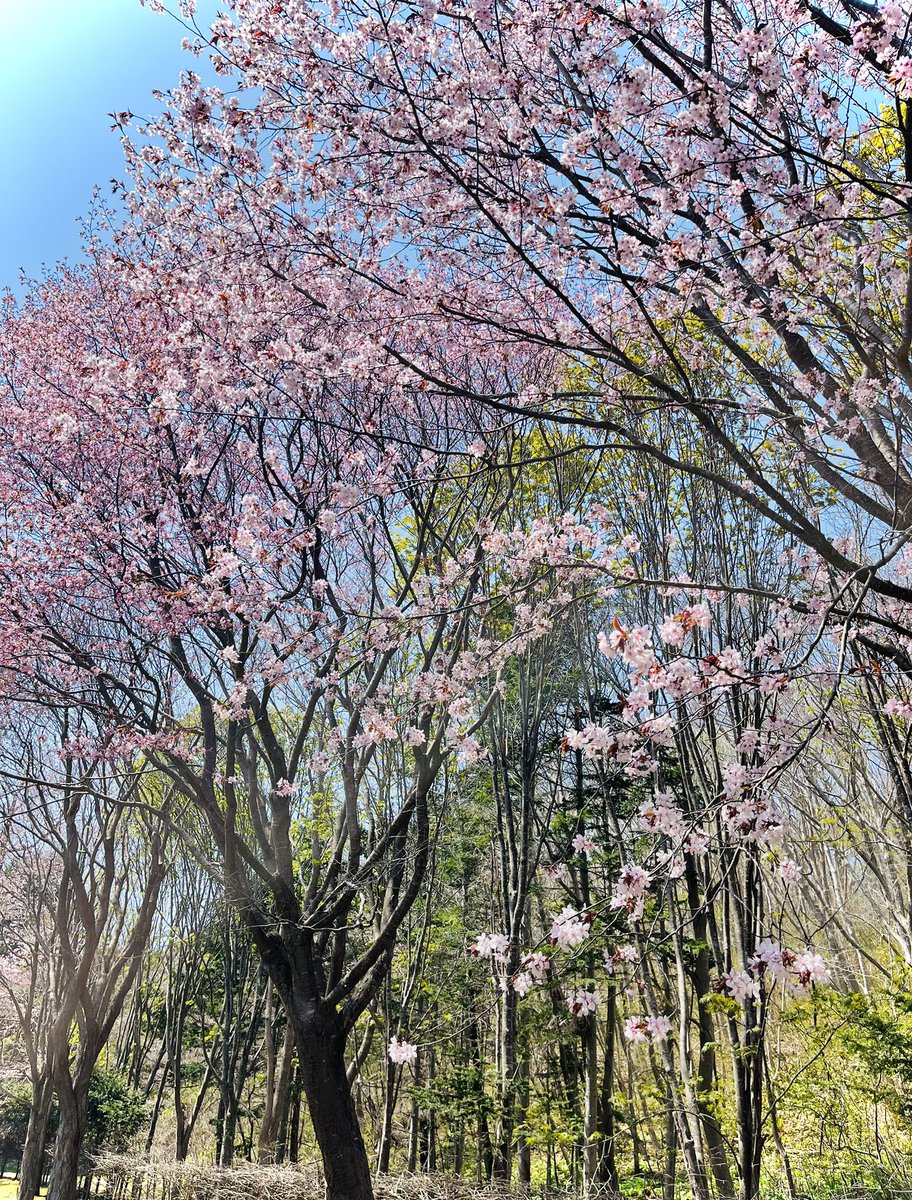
column 522, row 983
column 582, row 1002
column 789, row 871
column 400, row 1051
column 570, row 928
column 741, row 985
column 537, row 965
column 630, row 890
column 490, row 945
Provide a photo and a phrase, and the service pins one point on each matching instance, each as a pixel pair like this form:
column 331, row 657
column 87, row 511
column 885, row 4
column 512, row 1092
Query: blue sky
column 64, row 65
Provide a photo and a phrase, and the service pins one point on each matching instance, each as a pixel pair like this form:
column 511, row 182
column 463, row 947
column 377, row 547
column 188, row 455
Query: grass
column 8, row 1188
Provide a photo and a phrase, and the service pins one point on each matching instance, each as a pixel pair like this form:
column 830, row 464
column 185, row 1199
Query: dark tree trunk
column 483, row 1149
column 72, row 1098
column 321, row 1055
column 429, row 1122
column 608, row 1172
column 229, row 1129
column 415, row 1119
column 32, row 1165
column 156, row 1107
column 701, row 978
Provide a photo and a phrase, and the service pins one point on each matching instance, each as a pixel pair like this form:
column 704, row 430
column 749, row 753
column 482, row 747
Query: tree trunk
column 502, row 1169
column 384, row 1144
column 32, row 1165
column 608, row 1172
column 276, row 1101
column 72, row 1097
column 229, row 1129
column 294, row 1120
column 321, row 1055
column 671, row 1147
column 156, row 1107
column 591, row 1153
column 266, row 1141
column 523, row 1149
column 484, row 1162
column 429, row 1122
column 701, row 979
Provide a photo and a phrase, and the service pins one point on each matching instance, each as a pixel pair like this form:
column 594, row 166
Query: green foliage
column 15, row 1106
column 456, row 1095
column 115, row 1113
column 879, row 1034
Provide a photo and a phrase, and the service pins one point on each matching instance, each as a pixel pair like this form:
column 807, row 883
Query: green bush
column 115, row 1114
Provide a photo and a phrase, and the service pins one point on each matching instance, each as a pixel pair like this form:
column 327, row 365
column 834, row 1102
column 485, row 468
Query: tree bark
column 608, row 1172
column 277, row 1102
column 591, row 1154
column 321, row 1055
column 73, row 1101
column 502, row 1169
column 385, row 1142
column 294, row 1120
column 32, row 1165
column 671, row 1148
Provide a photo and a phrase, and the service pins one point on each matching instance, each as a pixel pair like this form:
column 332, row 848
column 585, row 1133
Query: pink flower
column 583, row 845
column 674, row 629
column 582, row 1002
column 659, row 1028
column 631, row 889
column 537, row 965
column 789, row 871
column 770, row 959
column 633, row 645
column 741, row 986
column 701, row 616
column 901, row 77
column 522, row 983
column 569, row 928
column 490, row 945
column 808, row 969
column 621, row 954
column 402, row 1052
column 672, row 632
column 636, row 1029
column 326, row 521
column 662, row 815
column 647, row 1029
column 697, row 842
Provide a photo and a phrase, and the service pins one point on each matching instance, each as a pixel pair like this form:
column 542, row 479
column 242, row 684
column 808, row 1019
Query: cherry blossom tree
column 260, row 579
column 258, row 460
column 693, row 215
